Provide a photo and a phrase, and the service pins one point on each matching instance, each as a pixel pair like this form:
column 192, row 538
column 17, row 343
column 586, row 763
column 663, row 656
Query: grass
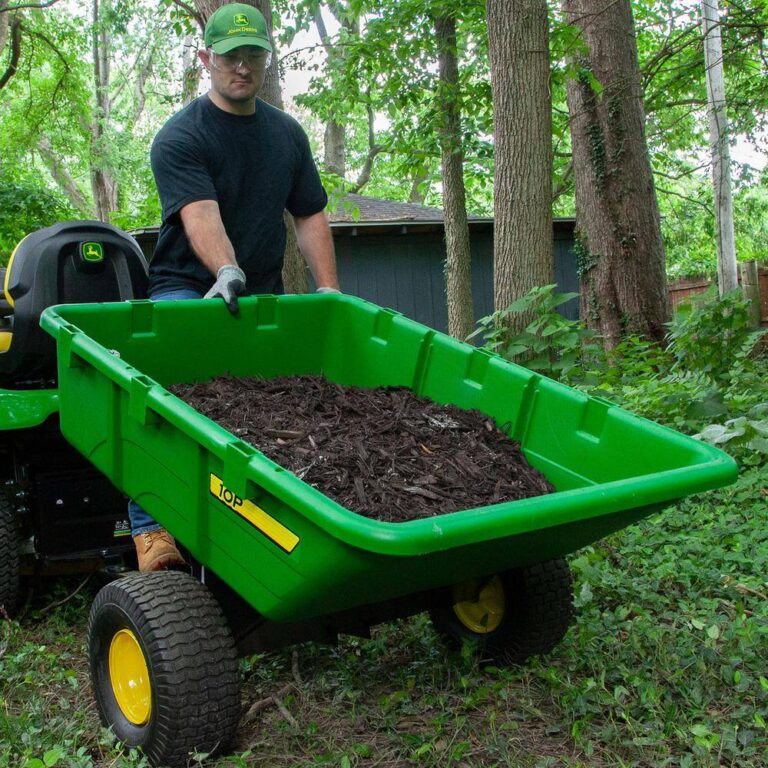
column 666, row 665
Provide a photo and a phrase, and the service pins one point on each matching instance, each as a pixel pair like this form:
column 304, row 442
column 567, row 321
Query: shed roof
column 355, row 209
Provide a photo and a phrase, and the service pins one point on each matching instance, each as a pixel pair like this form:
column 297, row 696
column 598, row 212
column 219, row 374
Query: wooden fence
column 681, row 290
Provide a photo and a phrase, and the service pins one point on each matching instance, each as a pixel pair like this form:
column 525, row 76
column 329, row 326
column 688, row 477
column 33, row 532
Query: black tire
column 193, row 693
column 9, row 561
column 535, row 609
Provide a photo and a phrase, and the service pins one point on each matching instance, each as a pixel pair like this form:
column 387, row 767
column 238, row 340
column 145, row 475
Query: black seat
column 68, row 263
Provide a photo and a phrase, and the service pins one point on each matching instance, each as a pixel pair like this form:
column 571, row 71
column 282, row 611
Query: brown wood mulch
column 383, row 453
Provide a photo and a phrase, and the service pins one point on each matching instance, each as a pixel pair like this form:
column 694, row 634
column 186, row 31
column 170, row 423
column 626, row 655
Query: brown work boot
column 157, row 551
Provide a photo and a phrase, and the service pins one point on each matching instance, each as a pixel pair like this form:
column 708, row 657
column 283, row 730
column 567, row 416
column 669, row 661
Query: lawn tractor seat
column 68, row 263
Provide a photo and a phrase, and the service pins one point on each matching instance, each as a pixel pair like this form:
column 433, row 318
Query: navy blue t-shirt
column 254, row 166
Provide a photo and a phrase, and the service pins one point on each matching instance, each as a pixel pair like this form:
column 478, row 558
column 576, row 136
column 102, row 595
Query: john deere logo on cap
column 92, row 251
column 241, row 20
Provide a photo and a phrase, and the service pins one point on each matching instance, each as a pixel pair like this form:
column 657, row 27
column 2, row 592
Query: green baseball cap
column 236, row 24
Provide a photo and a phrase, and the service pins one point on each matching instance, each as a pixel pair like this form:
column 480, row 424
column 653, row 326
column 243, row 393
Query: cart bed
column 286, row 548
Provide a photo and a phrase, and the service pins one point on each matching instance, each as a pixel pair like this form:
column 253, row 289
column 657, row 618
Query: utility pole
column 727, row 276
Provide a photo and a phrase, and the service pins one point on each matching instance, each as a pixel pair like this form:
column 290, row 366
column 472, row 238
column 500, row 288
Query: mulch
column 383, row 453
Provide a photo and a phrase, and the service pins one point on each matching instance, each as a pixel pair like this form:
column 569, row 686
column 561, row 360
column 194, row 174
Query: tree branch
column 63, row 178
column 373, row 150
column 191, row 12
column 15, row 53
column 686, row 198
column 564, row 182
column 321, row 30
column 8, row 8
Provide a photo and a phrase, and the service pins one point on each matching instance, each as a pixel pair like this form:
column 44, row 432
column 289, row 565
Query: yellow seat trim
column 7, row 280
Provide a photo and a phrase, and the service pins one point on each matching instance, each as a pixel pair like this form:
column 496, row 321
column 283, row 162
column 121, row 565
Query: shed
column 394, row 253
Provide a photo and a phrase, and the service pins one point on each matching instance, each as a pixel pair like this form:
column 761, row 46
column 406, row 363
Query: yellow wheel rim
column 479, row 604
column 129, row 676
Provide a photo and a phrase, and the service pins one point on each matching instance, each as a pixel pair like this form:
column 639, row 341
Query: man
column 226, row 167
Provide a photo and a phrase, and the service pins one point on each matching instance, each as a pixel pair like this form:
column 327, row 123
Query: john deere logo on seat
column 92, row 251
column 241, row 20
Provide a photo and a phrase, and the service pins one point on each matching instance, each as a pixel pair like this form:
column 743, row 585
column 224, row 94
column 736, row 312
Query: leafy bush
column 709, row 381
column 25, row 208
column 550, row 344
column 741, row 435
column 709, row 334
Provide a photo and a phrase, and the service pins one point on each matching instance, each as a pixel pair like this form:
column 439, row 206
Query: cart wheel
column 163, row 666
column 511, row 616
column 9, row 561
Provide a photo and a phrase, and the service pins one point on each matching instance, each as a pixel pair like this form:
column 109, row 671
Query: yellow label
column 256, row 516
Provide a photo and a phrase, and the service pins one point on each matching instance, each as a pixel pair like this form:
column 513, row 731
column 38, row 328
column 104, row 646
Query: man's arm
column 205, row 232
column 210, row 243
column 316, row 244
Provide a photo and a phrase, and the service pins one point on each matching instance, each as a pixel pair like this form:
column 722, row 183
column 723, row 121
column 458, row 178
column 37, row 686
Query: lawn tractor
column 58, row 514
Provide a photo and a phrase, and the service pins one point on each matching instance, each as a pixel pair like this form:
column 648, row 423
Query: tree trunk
column 750, row 284
column 63, row 178
column 191, row 75
column 727, row 278
column 518, row 39
column 620, row 251
column 103, row 182
column 335, row 141
column 458, row 262
column 335, row 155
column 294, row 268
column 373, row 151
column 14, row 20
column 418, row 193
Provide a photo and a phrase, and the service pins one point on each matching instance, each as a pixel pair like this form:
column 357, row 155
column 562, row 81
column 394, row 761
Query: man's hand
column 230, row 283
column 326, row 289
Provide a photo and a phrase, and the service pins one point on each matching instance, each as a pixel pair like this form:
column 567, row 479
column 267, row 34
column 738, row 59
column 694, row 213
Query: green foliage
column 651, row 383
column 24, row 208
column 709, row 380
column 46, row 718
column 667, row 666
column 743, row 435
column 549, row 344
column 751, row 219
column 49, row 121
column 710, row 334
column 386, row 69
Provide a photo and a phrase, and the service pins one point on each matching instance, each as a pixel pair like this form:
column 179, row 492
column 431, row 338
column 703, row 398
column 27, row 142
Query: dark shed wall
column 404, row 270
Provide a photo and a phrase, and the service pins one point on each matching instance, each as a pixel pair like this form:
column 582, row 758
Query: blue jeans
column 141, row 521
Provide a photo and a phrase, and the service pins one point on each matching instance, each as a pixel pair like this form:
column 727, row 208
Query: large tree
column 518, row 39
column 458, row 260
column 621, row 254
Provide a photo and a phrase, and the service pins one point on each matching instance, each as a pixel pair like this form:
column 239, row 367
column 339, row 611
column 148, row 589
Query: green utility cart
column 273, row 560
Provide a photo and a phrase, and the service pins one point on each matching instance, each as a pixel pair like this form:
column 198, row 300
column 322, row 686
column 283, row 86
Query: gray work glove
column 327, row 290
column 230, row 283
